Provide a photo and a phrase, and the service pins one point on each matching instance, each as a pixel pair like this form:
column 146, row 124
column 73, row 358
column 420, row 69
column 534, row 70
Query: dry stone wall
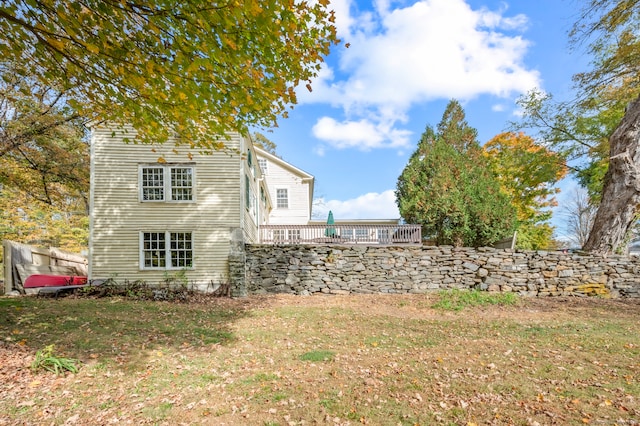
column 374, row 269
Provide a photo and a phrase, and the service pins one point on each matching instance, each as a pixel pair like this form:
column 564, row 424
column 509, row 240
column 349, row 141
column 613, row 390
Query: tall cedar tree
column 446, row 189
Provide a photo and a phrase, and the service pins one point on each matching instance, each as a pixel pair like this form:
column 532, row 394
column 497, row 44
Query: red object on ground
column 41, row 280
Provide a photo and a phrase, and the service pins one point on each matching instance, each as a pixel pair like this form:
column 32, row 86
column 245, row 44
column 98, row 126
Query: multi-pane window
column 152, row 183
column 286, row 236
column 383, row 236
column 362, row 234
column 181, row 250
column 181, row 183
column 282, row 198
column 166, row 183
column 166, row 250
column 346, row 233
column 154, row 249
column 263, row 165
column 294, row 235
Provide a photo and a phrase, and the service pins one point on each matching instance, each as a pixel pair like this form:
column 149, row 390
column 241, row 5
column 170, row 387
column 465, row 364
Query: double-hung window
column 282, row 198
column 383, row 236
column 346, row 233
column 263, row 165
column 166, row 250
column 362, row 234
column 169, row 183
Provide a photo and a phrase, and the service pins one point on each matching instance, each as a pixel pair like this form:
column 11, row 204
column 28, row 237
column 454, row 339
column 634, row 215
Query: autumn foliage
column 527, row 172
column 194, row 68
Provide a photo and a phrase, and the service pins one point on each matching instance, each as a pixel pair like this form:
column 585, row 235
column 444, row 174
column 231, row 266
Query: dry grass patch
column 286, row 360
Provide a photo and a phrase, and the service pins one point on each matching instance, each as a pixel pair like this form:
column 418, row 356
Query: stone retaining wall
column 374, row 269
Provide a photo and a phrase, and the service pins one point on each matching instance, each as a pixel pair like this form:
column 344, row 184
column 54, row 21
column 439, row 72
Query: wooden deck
column 341, row 234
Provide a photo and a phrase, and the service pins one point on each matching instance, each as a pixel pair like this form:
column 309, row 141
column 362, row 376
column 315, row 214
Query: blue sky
column 356, row 130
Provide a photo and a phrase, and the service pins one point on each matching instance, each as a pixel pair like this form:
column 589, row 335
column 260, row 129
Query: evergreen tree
column 447, row 190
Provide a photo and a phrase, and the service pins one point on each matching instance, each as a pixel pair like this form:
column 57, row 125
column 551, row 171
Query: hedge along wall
column 373, row 269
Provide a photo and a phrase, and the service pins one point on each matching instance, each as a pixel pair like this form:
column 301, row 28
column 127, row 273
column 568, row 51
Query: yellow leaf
column 91, row 48
column 59, row 45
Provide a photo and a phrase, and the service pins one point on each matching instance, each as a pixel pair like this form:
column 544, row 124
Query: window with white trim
column 362, row 234
column 166, row 250
column 294, row 235
column 166, row 183
column 263, row 165
column 383, row 236
column 346, row 233
column 282, row 198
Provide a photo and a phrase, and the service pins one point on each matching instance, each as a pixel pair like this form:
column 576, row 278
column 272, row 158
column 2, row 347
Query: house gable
column 290, row 189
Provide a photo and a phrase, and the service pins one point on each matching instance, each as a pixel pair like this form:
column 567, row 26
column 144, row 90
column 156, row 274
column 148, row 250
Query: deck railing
column 341, row 234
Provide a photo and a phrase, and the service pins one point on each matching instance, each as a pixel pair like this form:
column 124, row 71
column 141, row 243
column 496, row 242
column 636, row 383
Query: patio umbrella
column 330, row 231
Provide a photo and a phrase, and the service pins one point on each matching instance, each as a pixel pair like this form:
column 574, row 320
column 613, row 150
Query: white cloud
column 362, row 134
column 368, row 206
column 432, row 49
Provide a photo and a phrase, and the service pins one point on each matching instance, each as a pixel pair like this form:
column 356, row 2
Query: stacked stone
column 310, row 269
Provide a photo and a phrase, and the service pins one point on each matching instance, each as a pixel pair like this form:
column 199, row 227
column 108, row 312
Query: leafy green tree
column 446, row 188
column 193, row 68
column 43, row 149
column 612, row 31
column 601, row 126
column 577, row 133
column 527, row 172
column 26, row 220
column 44, row 167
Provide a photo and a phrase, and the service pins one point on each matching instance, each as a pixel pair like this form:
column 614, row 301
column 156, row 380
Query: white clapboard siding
column 251, row 216
column 299, row 185
column 118, row 216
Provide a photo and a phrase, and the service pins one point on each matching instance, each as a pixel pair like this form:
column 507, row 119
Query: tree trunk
column 621, row 193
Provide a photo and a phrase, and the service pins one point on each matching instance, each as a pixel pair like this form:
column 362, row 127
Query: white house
column 290, row 188
column 157, row 212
